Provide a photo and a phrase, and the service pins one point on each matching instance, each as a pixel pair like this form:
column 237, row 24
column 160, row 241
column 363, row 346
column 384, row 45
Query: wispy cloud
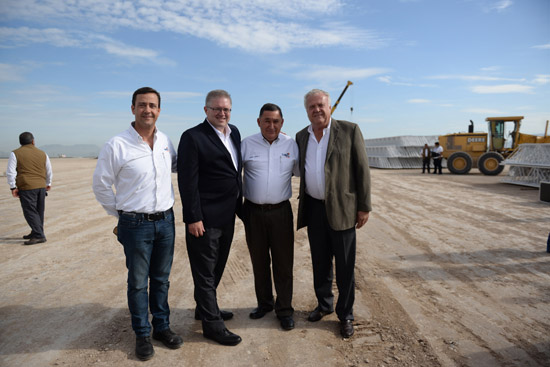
column 542, row 79
column 543, row 47
column 499, row 6
column 11, row 73
column 419, row 100
column 23, row 36
column 501, row 89
column 338, row 73
column 389, row 80
column 474, row 78
column 268, row 26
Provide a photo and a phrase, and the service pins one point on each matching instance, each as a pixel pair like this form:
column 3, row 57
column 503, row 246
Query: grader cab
column 485, row 151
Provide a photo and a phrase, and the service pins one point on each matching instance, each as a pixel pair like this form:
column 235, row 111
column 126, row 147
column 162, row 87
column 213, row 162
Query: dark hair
column 217, row 93
column 144, row 90
column 270, row 107
column 25, row 138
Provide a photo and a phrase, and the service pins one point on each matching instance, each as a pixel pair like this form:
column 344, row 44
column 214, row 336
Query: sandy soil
column 451, row 271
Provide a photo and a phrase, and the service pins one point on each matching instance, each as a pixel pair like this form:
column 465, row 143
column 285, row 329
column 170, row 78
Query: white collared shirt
column 140, row 175
column 225, row 137
column 316, row 154
column 11, row 170
column 268, row 168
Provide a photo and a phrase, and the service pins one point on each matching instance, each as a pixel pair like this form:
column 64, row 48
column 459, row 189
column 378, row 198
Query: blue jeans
column 149, row 250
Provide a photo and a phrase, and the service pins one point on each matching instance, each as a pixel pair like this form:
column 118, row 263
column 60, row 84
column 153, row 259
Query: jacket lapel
column 334, row 130
column 216, row 140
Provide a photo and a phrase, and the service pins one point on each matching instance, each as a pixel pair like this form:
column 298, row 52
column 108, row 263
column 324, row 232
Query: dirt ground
column 451, row 271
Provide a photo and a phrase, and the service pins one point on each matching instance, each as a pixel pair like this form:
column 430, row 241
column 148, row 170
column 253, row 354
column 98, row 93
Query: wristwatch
column 13, row 188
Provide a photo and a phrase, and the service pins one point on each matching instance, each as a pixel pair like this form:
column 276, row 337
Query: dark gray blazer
column 347, row 176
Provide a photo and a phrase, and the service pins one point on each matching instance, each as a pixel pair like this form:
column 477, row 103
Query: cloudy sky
column 419, row 67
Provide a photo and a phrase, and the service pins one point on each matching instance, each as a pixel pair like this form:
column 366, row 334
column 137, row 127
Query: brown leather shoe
column 34, row 241
column 346, row 328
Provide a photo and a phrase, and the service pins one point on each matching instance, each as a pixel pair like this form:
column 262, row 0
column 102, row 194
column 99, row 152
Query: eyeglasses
column 219, row 109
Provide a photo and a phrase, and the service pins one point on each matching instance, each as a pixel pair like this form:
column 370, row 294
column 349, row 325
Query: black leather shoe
column 318, row 314
column 34, row 241
column 224, row 337
column 168, row 338
column 346, row 328
column 144, row 348
column 287, row 322
column 226, row 315
column 27, row 236
column 258, row 313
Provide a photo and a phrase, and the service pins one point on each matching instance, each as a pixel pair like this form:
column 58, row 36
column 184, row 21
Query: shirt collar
column 310, row 128
column 136, row 135
column 220, row 134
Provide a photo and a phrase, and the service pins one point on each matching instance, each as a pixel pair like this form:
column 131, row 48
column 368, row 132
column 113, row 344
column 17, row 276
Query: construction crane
column 339, row 98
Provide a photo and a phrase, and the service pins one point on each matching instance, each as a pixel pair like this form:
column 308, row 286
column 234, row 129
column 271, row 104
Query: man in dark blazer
column 210, row 185
column 334, row 201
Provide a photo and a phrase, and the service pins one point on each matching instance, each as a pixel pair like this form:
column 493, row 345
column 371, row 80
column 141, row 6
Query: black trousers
column 207, row 256
column 327, row 244
column 437, row 165
column 33, row 205
column 425, row 164
column 269, row 231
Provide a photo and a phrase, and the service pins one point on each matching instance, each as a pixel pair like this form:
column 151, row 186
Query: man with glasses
column 210, row 184
column 138, row 163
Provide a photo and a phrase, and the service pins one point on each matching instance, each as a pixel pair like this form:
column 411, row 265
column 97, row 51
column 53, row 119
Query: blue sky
column 419, row 67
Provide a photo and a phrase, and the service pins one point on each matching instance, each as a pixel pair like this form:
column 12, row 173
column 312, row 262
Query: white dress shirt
column 268, row 168
column 316, row 154
column 11, row 171
column 140, row 175
column 225, row 137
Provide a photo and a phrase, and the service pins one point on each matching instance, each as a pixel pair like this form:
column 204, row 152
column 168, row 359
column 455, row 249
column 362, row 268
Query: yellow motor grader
column 485, row 151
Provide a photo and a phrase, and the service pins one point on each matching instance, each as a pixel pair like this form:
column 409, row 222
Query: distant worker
column 270, row 158
column 138, row 163
column 334, row 202
column 29, row 175
column 436, row 155
column 426, row 155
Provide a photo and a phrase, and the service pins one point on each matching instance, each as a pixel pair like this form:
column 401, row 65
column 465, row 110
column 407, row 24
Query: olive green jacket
column 347, row 176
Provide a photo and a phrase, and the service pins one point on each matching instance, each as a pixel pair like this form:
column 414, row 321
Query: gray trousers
column 33, row 205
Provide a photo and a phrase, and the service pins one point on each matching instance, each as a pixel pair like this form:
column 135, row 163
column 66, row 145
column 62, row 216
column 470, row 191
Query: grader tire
column 459, row 163
column 489, row 163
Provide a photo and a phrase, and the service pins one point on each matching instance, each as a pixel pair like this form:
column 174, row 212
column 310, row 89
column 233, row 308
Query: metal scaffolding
column 529, row 165
column 398, row 152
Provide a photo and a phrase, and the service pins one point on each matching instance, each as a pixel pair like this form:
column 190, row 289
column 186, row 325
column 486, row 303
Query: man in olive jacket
column 29, row 175
column 334, row 201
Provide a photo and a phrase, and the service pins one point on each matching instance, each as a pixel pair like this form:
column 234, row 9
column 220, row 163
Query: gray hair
column 313, row 92
column 217, row 93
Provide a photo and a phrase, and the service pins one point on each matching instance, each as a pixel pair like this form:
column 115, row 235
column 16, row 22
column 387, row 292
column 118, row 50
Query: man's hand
column 48, row 188
column 362, row 218
column 196, row 229
column 15, row 193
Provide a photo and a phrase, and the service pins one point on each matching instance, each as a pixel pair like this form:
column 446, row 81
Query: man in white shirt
column 29, row 175
column 138, row 163
column 269, row 161
column 436, row 155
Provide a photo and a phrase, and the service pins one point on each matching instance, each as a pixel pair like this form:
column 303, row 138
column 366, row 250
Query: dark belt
column 315, row 200
column 152, row 217
column 266, row 206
